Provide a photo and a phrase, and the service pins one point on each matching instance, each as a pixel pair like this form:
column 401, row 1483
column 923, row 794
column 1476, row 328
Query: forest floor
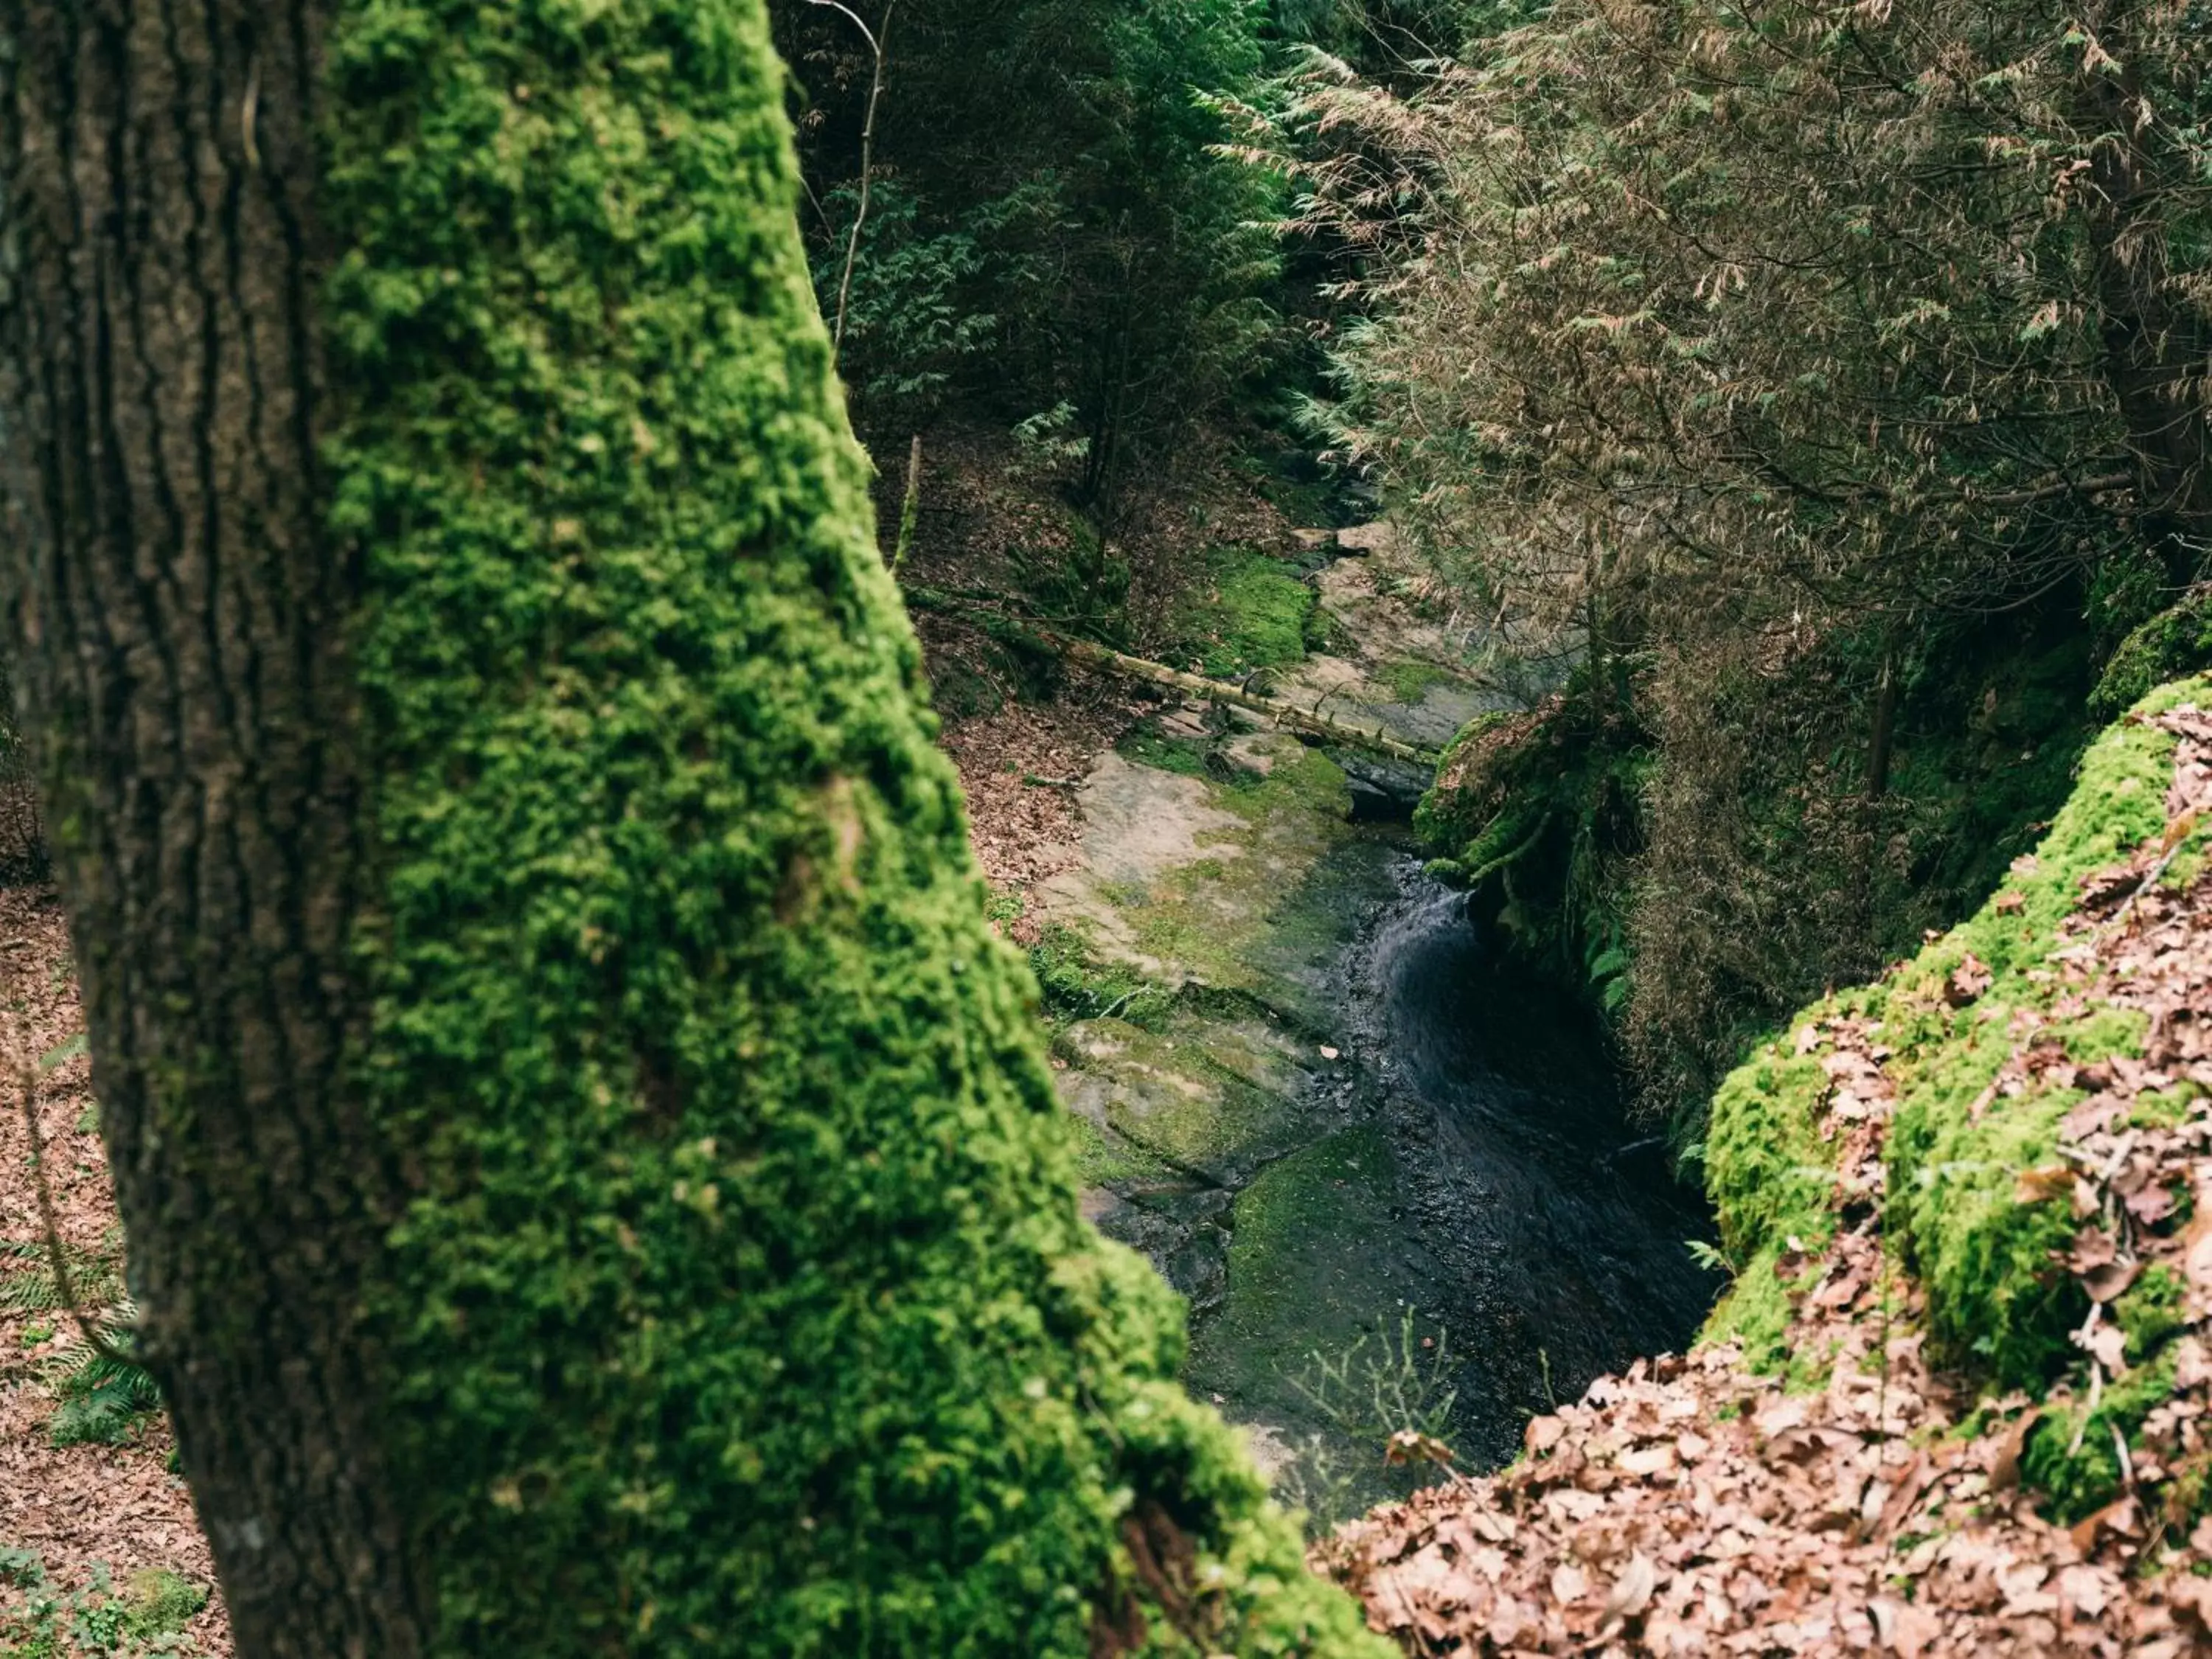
column 71, row 1513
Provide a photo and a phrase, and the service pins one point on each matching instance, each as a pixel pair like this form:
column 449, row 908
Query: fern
column 99, row 1399
column 1710, row 1257
column 28, row 1283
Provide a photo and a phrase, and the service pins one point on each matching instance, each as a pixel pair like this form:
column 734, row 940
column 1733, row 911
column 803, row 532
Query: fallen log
column 1314, row 721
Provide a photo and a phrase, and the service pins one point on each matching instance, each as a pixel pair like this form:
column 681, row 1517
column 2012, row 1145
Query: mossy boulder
column 1983, row 1244
column 2176, row 641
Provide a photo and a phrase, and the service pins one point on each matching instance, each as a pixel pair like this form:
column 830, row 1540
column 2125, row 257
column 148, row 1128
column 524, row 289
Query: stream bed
column 1391, row 1170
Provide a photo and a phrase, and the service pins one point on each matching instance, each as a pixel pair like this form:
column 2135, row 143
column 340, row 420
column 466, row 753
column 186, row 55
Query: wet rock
column 1383, row 790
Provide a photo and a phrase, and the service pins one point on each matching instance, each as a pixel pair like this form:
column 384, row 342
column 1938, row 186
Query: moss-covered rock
column 740, row 1303
column 2176, row 641
column 1249, row 612
column 1981, row 1244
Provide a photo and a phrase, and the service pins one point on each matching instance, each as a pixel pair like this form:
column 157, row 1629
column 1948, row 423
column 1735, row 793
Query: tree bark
column 179, row 627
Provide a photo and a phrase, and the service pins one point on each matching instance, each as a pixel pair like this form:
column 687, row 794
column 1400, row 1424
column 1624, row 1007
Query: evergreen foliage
column 1057, row 229
column 743, row 1304
column 1786, row 371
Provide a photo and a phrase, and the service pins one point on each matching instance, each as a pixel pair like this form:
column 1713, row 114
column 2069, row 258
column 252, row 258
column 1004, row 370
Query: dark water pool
column 1563, row 1236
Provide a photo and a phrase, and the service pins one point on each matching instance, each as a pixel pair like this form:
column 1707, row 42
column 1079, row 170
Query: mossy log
column 1313, row 721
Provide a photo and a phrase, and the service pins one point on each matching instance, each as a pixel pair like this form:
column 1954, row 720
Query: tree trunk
column 1882, row 738
column 592, row 1177
column 180, row 625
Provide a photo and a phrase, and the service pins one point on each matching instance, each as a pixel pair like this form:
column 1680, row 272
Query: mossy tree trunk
column 591, row 1175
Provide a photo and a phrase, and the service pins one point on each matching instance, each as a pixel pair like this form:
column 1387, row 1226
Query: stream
column 1391, row 1168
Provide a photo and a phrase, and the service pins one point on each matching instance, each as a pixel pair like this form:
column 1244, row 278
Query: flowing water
column 1565, row 1234
column 1390, row 1167
column 1468, row 1212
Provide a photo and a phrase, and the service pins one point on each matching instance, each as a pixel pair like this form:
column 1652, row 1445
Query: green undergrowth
column 145, row 1614
column 1536, row 812
column 1076, row 983
column 99, row 1399
column 1696, row 888
column 2176, row 641
column 1998, row 1308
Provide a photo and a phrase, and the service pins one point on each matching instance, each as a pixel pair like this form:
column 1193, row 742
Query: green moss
column 1297, row 1286
column 1755, row 1312
column 2175, row 642
column 2150, row 1313
column 1076, row 985
column 739, row 1301
column 1206, row 917
column 1101, row 1159
column 1769, row 1173
column 1249, row 611
column 1995, row 1300
column 1408, row 679
column 2164, row 1109
column 159, row 1602
column 2069, row 1454
column 1182, row 1093
column 1185, row 756
column 1998, row 1306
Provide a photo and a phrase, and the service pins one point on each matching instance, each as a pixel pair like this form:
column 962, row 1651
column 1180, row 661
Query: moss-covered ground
column 1247, row 611
column 1313, row 1255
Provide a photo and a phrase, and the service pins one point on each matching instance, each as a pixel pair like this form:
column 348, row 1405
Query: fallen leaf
column 2004, row 1470
column 2108, row 1343
column 2119, row 1516
column 2106, row 1280
column 1902, row 1628
column 1631, row 1592
column 2046, row 1181
column 1966, row 982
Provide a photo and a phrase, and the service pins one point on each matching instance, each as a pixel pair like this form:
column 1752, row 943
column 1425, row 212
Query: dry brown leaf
column 2043, row 1182
column 1631, row 1592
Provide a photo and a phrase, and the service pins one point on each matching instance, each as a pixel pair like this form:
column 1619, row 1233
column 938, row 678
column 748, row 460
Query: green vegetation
column 147, row 1616
column 1661, row 356
column 1245, row 612
column 2176, row 641
column 100, row 1398
column 648, row 721
column 1314, row 1200
column 1051, row 231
